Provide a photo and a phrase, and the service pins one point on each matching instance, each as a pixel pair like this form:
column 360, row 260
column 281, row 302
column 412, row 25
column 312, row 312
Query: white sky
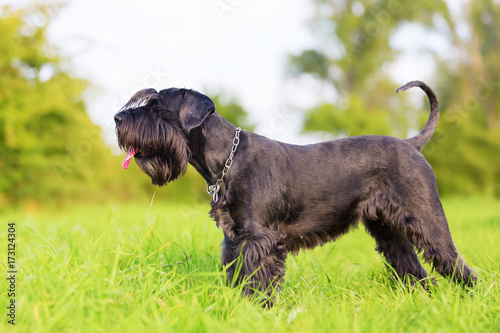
column 123, row 46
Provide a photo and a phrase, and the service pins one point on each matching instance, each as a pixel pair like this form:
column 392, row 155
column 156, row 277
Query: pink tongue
column 130, row 153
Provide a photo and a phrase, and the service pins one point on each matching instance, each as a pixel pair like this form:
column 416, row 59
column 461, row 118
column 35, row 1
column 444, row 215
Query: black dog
column 271, row 198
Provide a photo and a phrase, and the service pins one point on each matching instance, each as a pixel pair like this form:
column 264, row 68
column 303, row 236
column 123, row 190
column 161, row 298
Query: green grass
column 99, row 269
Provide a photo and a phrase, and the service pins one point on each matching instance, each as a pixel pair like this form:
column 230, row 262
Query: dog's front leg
column 257, row 260
column 231, row 261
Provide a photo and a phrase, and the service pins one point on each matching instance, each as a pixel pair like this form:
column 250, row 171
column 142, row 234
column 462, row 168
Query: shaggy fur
column 279, row 198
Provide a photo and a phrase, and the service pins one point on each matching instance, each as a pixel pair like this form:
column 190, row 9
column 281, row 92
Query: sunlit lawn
column 100, row 269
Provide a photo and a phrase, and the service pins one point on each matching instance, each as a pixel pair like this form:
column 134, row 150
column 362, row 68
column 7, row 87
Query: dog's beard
column 160, row 170
column 159, row 148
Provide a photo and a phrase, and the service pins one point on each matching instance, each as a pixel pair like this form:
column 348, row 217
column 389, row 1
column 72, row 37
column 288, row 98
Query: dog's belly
column 320, row 222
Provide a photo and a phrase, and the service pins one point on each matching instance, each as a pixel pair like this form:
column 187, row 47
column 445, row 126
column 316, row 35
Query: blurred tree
column 469, row 84
column 45, row 134
column 356, row 45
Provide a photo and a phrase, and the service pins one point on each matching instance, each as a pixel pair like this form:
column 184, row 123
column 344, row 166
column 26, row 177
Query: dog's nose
column 118, row 119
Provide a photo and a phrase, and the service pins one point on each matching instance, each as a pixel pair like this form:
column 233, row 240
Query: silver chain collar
column 213, row 190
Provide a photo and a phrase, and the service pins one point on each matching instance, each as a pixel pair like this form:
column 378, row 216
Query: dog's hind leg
column 398, row 251
column 423, row 223
column 431, row 235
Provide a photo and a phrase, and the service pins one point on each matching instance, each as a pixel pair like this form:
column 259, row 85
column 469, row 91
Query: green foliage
column 355, row 45
column 100, row 269
column 352, row 120
column 464, row 151
column 355, row 39
column 467, row 147
column 45, row 133
column 309, row 61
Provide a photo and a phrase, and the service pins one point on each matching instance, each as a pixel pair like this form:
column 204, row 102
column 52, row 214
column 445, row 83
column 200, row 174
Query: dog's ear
column 194, row 109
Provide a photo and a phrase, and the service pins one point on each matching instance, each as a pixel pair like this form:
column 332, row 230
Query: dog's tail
column 423, row 137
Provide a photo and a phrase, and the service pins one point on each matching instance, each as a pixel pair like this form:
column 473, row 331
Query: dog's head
column 153, row 127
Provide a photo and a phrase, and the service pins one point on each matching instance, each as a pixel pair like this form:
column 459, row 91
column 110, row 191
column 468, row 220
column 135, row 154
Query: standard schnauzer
column 271, row 198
